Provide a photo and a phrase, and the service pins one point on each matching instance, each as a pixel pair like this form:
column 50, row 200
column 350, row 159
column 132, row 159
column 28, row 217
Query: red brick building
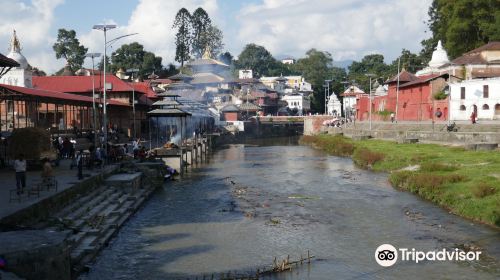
column 415, row 100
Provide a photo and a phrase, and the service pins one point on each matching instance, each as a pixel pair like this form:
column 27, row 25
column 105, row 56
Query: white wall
column 474, row 96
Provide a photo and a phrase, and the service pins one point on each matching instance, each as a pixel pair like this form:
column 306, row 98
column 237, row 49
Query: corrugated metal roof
column 7, row 62
column 58, row 95
column 79, row 84
column 168, row 113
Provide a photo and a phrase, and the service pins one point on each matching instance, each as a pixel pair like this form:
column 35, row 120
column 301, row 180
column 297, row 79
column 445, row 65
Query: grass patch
column 465, row 182
column 366, row 158
column 484, row 189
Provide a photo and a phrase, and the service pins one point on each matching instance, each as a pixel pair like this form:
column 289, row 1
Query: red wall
column 415, row 104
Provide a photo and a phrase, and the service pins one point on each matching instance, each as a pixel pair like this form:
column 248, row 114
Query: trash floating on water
column 300, row 196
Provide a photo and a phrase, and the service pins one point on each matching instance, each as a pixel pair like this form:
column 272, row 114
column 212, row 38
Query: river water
column 253, row 203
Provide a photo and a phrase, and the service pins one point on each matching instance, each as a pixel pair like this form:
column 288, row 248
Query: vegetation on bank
column 465, row 182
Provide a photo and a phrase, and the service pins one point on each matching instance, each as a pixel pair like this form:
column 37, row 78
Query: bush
column 433, row 167
column 336, row 145
column 440, row 95
column 366, row 158
column 484, row 189
column 424, row 183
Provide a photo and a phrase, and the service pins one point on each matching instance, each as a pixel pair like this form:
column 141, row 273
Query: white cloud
column 153, row 20
column 348, row 29
column 33, row 23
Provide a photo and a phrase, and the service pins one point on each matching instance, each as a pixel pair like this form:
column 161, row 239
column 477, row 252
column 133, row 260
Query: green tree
column 134, row 56
column 201, row 25
column 409, row 61
column 462, row 25
column 213, row 39
column 316, row 68
column 370, row 64
column 68, row 47
column 226, row 57
column 256, row 58
column 183, row 36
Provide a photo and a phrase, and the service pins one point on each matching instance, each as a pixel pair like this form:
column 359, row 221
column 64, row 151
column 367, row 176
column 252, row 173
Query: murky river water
column 253, row 203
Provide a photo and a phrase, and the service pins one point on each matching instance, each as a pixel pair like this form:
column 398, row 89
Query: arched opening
column 462, row 108
column 486, row 107
column 497, row 111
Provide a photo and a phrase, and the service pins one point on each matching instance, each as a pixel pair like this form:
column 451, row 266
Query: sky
column 348, row 29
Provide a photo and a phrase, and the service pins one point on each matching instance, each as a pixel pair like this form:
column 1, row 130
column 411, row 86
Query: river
column 252, row 203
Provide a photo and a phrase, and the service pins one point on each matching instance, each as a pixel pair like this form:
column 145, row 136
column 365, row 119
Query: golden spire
column 15, row 46
column 207, row 54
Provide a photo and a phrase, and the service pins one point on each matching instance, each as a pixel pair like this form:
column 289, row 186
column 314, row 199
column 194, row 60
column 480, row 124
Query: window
column 486, row 91
column 462, row 93
column 486, row 107
column 462, row 108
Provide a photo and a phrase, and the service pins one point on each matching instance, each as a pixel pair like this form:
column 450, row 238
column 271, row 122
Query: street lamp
column 327, row 94
column 104, row 28
column 93, row 55
column 132, row 71
column 370, row 97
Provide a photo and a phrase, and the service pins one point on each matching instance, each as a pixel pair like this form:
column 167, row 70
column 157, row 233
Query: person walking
column 20, row 167
column 473, row 117
column 79, row 164
column 392, row 117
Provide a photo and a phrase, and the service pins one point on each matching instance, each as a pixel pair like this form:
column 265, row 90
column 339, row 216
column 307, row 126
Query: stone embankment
column 479, row 136
column 73, row 236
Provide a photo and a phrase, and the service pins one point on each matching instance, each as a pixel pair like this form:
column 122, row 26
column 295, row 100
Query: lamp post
column 397, row 90
column 132, row 71
column 104, row 28
column 344, row 103
column 93, row 55
column 369, row 75
column 327, row 94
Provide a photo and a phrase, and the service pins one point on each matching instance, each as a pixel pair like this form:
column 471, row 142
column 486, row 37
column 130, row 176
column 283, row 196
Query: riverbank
column 465, row 182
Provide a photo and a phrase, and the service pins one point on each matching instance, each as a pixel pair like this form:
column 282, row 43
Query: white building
column 245, row 74
column 288, row 61
column 18, row 76
column 334, row 107
column 350, row 100
column 479, row 95
column 299, row 102
column 297, row 83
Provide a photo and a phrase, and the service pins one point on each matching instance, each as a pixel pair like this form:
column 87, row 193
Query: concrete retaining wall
column 40, row 211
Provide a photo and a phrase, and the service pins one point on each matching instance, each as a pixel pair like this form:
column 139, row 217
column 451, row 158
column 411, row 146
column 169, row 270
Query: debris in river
column 300, row 196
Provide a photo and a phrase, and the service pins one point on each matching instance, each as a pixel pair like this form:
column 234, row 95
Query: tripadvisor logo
column 387, row 255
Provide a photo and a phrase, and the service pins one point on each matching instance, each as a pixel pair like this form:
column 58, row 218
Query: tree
column 462, row 25
column 316, row 68
column 226, row 57
column 409, row 61
column 68, row 47
column 36, row 71
column 201, row 25
column 213, row 39
column 256, row 58
column 134, row 56
column 370, row 64
column 183, row 36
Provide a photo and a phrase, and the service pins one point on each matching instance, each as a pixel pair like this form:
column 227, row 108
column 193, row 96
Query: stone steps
column 89, row 205
column 74, row 205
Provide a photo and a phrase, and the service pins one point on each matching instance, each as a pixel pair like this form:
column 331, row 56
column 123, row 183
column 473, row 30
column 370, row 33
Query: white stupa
column 439, row 58
column 334, row 106
column 18, row 76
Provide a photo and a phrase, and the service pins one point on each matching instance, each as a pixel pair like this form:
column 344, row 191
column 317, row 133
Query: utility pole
column 94, row 55
column 397, row 90
column 370, row 98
